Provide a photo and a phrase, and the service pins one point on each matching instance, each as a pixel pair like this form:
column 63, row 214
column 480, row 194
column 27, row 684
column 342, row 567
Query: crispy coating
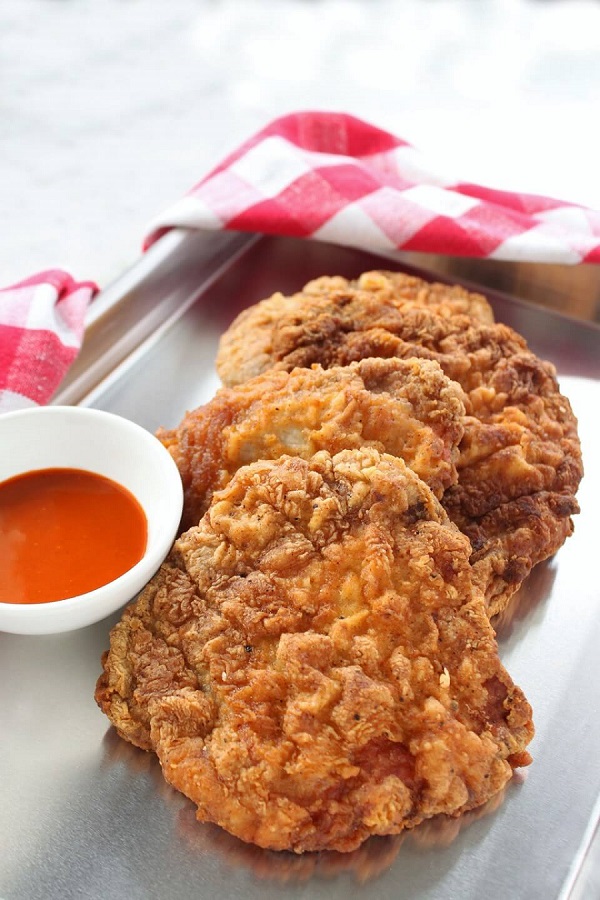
column 407, row 408
column 508, row 541
column 520, row 458
column 375, row 300
column 404, row 291
column 313, row 665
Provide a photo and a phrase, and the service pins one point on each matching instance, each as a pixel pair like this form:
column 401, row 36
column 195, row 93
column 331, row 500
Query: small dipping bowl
column 68, row 437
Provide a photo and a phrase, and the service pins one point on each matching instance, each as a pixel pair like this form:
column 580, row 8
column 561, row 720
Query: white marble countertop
column 111, row 109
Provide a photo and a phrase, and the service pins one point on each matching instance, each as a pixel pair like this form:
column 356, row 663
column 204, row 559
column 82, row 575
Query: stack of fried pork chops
column 314, row 662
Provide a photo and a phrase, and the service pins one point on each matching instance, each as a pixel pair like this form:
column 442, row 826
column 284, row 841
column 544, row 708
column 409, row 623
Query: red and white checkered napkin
column 41, row 329
column 332, row 177
column 316, row 175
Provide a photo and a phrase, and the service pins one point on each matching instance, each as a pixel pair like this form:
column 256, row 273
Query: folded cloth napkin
column 332, row 177
column 319, row 175
column 41, row 330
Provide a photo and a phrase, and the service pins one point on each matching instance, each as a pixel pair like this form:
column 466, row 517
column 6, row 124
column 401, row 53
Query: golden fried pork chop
column 313, row 665
column 407, row 408
column 520, row 459
column 405, row 291
column 376, row 300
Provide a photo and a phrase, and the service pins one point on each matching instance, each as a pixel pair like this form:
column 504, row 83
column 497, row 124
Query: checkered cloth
column 332, row 177
column 325, row 176
column 41, row 329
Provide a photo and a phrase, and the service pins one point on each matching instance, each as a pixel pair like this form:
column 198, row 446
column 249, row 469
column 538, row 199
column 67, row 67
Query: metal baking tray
column 85, row 815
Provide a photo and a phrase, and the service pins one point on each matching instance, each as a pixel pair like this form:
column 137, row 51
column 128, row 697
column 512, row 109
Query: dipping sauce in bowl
column 96, row 501
column 65, row 532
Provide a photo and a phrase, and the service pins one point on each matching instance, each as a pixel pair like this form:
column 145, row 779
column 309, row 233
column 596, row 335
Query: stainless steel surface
column 140, row 304
column 84, row 815
column 573, row 290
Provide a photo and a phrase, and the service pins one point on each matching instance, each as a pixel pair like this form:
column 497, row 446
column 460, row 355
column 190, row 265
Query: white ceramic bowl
column 76, row 438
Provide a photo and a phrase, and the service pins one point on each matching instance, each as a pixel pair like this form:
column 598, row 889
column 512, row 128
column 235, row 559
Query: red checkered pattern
column 41, row 329
column 332, row 177
column 318, row 175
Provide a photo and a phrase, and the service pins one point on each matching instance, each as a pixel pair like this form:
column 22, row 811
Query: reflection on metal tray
column 86, row 815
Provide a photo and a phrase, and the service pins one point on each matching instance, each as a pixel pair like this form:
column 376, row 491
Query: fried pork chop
column 313, row 665
column 407, row 408
column 376, row 300
column 520, row 460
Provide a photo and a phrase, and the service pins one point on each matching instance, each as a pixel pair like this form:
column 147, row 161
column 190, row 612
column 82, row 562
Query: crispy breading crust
column 520, row 436
column 404, row 291
column 508, row 541
column 407, row 408
column 313, row 665
column 375, row 300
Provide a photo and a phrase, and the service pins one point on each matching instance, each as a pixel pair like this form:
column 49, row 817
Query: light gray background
column 111, row 109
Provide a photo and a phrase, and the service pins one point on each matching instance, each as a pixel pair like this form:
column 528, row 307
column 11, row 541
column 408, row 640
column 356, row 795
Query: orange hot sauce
column 64, row 532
